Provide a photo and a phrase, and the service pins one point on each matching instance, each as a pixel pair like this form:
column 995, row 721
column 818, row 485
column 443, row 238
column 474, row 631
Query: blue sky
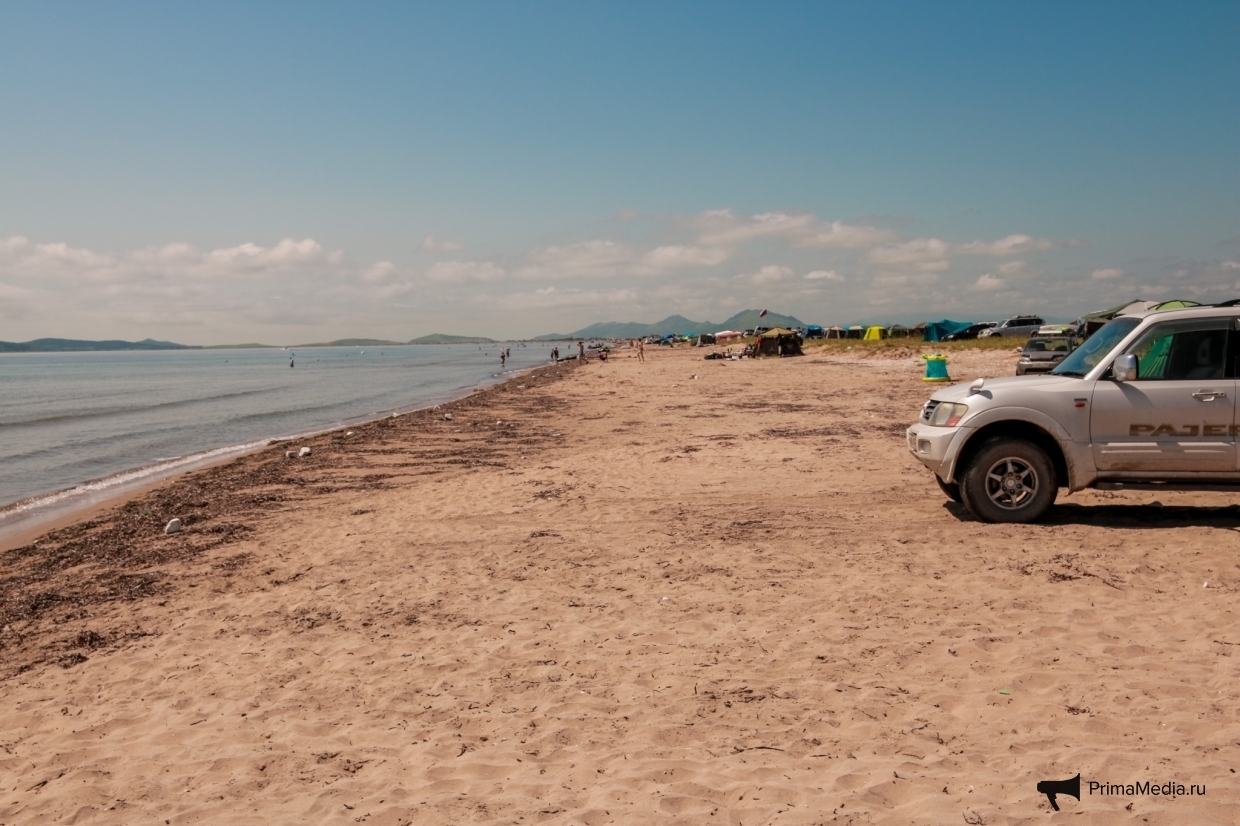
column 220, row 171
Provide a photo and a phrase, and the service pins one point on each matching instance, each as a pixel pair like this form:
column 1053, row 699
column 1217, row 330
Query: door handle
column 1209, row 395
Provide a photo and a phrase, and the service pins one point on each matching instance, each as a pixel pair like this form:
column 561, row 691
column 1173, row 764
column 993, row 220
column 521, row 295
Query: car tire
column 950, row 489
column 1009, row 480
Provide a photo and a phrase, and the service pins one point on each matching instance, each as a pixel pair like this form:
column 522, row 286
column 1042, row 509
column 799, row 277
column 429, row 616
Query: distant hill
column 250, row 346
column 68, row 345
column 353, row 342
column 743, row 320
column 440, row 338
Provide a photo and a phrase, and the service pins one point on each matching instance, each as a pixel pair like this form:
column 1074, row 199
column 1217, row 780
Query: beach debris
column 350, row 433
column 288, row 454
column 305, row 451
column 173, row 526
column 1005, row 692
column 520, row 386
column 447, row 417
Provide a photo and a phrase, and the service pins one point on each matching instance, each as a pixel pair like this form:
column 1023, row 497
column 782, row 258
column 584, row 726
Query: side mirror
column 1125, row 368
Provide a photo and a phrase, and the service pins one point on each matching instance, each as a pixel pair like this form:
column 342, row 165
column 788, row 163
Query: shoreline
column 27, row 519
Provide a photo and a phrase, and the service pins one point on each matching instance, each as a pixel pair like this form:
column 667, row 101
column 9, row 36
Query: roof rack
column 1233, row 303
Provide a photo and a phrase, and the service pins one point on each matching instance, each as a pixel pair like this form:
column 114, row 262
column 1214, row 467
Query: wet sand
column 684, row 591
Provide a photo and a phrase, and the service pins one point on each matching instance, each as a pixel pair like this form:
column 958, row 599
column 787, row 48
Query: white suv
column 1148, row 401
column 1019, row 326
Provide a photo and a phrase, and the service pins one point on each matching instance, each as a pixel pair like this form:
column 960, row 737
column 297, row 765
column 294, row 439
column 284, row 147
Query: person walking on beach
column 581, row 352
column 641, row 349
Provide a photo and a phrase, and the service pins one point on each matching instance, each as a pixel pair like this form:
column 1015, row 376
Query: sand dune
column 622, row 594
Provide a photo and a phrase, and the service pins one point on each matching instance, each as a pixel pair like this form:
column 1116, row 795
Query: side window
column 1183, row 350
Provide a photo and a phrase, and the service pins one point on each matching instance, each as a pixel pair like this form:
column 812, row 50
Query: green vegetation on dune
column 839, row 345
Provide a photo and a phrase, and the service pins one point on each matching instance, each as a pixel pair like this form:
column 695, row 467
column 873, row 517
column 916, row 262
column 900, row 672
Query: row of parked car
column 1019, row 326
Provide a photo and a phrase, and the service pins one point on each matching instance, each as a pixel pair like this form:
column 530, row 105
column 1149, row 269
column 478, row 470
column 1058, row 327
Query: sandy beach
column 675, row 591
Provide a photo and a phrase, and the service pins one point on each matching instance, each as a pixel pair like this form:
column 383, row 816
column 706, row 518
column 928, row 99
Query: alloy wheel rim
column 1011, row 483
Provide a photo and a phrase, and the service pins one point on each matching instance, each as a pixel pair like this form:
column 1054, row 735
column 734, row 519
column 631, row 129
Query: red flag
column 762, row 314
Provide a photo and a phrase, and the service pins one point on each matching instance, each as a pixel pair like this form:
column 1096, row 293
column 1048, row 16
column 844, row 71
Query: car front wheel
column 1009, row 480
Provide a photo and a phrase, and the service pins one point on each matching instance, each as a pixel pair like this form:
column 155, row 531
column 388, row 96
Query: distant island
column 744, row 320
column 440, row 338
column 69, row 345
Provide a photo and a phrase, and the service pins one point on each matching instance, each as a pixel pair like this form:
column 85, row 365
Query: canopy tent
column 727, row 335
column 1090, row 323
column 778, row 341
column 855, row 331
column 939, row 330
column 897, row 330
column 875, row 333
column 835, row 332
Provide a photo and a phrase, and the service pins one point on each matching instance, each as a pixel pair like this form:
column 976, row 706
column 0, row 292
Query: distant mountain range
column 69, row 345
column 66, row 345
column 440, row 338
column 744, row 320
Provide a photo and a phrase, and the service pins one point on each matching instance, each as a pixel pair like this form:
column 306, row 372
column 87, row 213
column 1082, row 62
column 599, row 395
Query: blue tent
column 939, row 330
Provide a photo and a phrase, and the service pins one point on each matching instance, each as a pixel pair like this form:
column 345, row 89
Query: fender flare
column 1028, row 416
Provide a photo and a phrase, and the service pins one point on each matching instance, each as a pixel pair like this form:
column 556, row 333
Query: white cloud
column 820, row 275
column 1106, row 274
column 1011, row 245
column 725, row 228
column 1011, row 267
column 988, row 283
column 770, row 274
column 464, row 272
column 840, row 236
column 662, row 259
column 920, row 253
column 437, row 243
column 285, row 254
column 1231, row 265
column 379, row 272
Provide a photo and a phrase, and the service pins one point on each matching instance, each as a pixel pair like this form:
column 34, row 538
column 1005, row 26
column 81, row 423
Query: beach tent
column 835, row 332
column 814, row 331
column 875, row 333
column 897, row 330
column 726, row 335
column 1092, row 322
column 778, row 341
column 855, row 331
column 939, row 330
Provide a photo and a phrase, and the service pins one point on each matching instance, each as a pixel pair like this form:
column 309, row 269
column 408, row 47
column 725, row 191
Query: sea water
column 86, row 423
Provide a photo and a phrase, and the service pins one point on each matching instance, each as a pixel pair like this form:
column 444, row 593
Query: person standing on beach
column 641, row 349
column 503, row 356
column 581, row 352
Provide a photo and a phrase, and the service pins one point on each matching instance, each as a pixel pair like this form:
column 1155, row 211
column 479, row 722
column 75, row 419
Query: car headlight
column 948, row 415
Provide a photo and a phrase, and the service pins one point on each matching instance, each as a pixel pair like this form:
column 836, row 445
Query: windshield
column 1096, row 347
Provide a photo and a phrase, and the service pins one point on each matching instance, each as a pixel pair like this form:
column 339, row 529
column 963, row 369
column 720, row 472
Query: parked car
column 747, row 333
column 971, row 332
column 757, row 331
column 1018, row 326
column 1041, row 354
column 1146, row 403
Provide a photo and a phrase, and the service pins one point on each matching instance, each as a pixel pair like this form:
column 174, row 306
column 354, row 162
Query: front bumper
column 936, row 447
column 1027, row 368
